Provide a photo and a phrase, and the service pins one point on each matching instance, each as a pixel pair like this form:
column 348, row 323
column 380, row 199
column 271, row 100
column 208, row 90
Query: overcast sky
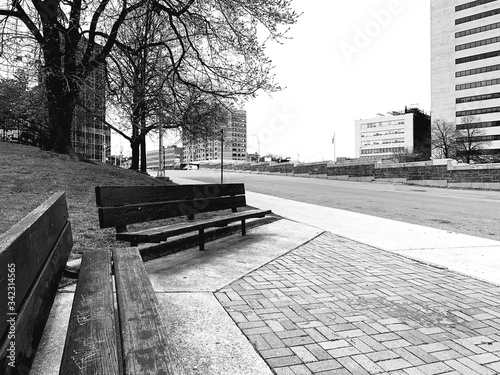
column 347, row 60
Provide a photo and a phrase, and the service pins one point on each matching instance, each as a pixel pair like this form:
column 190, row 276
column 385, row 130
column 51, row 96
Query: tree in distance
column 443, row 139
column 470, row 140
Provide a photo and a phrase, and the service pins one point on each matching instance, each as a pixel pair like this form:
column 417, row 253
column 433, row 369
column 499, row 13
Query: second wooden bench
column 120, row 206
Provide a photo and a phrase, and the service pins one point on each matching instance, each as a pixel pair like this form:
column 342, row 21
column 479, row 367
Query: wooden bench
column 109, row 332
column 33, row 255
column 120, row 206
column 116, row 333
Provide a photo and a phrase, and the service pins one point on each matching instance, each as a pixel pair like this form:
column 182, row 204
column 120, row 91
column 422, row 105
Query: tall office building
column 235, row 141
column 465, row 66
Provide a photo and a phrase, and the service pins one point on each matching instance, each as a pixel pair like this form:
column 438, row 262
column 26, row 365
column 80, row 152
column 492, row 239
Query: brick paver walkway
column 335, row 306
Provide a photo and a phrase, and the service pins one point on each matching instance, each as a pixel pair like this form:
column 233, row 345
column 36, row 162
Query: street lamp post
column 161, row 162
column 222, row 156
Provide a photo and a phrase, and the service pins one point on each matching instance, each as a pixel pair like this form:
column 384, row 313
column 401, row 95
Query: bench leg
column 201, row 239
column 243, row 228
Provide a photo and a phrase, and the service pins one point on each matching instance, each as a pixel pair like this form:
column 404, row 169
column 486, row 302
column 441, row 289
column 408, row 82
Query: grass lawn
column 28, row 176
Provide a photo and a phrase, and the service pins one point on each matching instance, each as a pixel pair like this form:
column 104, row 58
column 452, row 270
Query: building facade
column 234, row 142
column 465, row 67
column 90, row 137
column 172, row 157
column 382, row 137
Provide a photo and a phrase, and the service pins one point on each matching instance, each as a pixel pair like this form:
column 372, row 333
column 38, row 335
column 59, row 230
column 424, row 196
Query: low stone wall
column 356, row 170
column 444, row 172
column 311, row 168
column 439, row 172
column 281, row 168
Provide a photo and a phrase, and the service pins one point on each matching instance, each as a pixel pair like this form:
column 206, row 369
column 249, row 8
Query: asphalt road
column 473, row 212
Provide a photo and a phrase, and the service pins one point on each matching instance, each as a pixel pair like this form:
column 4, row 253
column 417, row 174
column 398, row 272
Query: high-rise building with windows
column 465, row 67
column 90, row 137
column 235, row 141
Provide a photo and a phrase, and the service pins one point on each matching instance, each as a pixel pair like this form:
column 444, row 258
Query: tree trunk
column 62, row 96
column 143, row 154
column 135, row 144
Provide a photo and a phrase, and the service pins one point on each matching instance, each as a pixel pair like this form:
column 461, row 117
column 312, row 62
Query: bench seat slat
column 137, row 213
column 144, row 344
column 123, row 195
column 162, row 233
column 91, row 342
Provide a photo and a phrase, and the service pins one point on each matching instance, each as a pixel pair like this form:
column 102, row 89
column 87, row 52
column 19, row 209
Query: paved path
column 337, row 306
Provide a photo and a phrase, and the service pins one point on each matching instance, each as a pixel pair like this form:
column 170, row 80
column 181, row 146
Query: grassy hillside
column 28, row 176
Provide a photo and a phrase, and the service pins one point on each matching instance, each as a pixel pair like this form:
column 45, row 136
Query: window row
column 480, row 138
column 477, row 98
column 472, row 85
column 385, row 142
column 382, row 150
column 480, row 29
column 480, row 56
column 379, row 134
column 477, row 125
column 471, row 4
column 479, row 111
column 381, row 124
column 484, row 69
column 478, row 43
column 478, row 16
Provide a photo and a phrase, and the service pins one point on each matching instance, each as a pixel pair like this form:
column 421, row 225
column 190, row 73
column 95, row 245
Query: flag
column 333, row 139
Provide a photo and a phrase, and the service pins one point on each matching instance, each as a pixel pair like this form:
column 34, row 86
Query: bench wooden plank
column 122, row 195
column 137, row 213
column 35, row 310
column 144, row 344
column 91, row 343
column 27, row 245
column 163, row 233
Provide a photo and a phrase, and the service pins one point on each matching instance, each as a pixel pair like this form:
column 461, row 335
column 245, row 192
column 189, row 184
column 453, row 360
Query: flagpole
column 334, row 149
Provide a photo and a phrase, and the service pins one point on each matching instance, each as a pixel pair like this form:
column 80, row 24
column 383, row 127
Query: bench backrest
column 123, row 205
column 33, row 254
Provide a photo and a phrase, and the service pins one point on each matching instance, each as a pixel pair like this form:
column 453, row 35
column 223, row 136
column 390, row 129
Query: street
column 472, row 212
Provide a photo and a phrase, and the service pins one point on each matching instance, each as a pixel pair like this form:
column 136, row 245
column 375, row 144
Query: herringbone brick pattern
column 335, row 306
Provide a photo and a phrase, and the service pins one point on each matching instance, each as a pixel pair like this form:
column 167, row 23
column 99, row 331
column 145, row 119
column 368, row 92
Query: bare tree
column 216, row 47
column 406, row 155
column 471, row 140
column 443, row 139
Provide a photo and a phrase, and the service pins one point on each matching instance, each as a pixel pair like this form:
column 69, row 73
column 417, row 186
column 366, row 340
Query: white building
column 465, row 65
column 383, row 136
